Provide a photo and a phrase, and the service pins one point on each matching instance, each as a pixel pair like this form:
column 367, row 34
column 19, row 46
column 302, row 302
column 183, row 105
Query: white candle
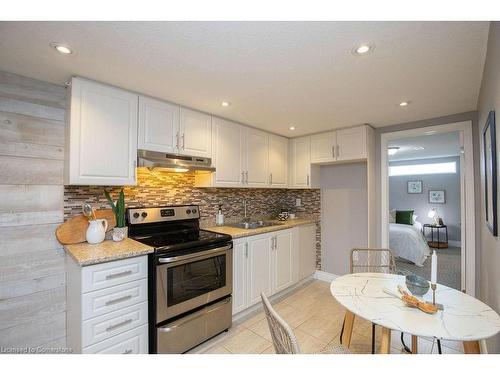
column 434, row 262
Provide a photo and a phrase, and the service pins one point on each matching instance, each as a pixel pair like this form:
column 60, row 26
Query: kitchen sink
column 253, row 224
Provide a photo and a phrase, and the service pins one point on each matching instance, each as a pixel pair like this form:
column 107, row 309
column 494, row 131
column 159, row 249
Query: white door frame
column 468, row 220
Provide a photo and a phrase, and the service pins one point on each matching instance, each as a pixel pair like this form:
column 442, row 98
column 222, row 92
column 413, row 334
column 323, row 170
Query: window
column 416, row 169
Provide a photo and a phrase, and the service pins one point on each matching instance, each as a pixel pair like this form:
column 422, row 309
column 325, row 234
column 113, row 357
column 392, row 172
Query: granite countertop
column 85, row 254
column 241, row 232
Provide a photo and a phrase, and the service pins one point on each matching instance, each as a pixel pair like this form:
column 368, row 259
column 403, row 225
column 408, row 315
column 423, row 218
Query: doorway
column 435, row 169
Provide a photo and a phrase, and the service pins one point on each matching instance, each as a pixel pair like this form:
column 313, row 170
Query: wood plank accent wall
column 32, row 270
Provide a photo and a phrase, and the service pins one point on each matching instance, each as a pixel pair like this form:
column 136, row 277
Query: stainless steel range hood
column 173, row 162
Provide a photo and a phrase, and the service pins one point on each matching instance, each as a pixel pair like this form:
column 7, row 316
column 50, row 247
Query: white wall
column 344, row 214
column 489, row 99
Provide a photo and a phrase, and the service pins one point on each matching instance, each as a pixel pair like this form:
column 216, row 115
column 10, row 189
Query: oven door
column 186, row 282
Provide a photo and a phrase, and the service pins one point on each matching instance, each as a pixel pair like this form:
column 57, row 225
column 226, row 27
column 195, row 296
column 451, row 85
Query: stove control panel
column 146, row 215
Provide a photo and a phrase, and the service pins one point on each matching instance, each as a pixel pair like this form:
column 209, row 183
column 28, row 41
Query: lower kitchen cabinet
column 107, row 307
column 270, row 263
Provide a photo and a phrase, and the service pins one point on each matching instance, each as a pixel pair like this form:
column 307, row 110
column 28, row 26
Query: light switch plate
column 298, row 202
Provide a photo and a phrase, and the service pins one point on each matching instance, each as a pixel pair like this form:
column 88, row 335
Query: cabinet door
column 301, row 148
column 323, row 147
column 282, row 260
column 278, row 161
column 351, row 143
column 228, row 153
column 158, row 125
column 259, row 268
column 307, row 250
column 195, row 132
column 256, row 158
column 102, row 137
column 240, row 253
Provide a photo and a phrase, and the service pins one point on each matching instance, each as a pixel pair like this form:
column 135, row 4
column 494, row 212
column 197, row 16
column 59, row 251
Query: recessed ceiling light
column 62, row 48
column 292, row 128
column 392, row 150
column 404, row 103
column 363, row 49
column 418, row 148
column 225, row 104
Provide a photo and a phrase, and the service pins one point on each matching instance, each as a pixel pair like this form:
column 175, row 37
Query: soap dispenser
column 219, row 217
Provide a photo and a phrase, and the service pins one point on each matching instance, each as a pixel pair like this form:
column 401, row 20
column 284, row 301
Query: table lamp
column 433, row 215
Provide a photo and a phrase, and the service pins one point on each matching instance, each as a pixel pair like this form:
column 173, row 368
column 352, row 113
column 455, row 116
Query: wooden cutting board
column 74, row 230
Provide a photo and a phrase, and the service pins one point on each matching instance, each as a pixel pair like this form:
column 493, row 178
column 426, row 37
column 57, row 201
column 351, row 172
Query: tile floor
column 316, row 319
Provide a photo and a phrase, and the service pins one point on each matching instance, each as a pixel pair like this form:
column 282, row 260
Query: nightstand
column 438, row 244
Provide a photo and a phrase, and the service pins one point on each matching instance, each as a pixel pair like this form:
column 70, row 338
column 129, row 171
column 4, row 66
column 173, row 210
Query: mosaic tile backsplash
column 158, row 188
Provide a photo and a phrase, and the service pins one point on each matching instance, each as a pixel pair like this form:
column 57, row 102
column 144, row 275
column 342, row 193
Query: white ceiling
column 435, row 146
column 275, row 74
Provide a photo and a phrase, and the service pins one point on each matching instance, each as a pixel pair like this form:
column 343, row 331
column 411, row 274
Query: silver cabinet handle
column 177, row 141
column 242, row 177
column 118, row 325
column 246, row 178
column 118, row 300
column 338, row 151
column 183, row 140
column 333, row 152
column 270, row 178
column 119, row 274
column 128, row 351
column 246, row 250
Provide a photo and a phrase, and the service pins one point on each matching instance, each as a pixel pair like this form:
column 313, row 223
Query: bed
column 407, row 242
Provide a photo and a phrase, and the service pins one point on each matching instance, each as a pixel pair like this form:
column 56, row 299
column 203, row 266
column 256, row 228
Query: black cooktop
column 183, row 239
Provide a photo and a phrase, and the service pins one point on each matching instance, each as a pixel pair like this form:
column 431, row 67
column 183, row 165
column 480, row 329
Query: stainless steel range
column 190, row 277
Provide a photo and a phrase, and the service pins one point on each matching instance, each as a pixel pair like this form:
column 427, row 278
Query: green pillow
column 404, row 217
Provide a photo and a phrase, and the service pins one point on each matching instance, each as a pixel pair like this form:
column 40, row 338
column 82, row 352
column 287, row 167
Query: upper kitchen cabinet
column 101, row 141
column 340, row 145
column 195, row 133
column 303, row 173
column 323, row 147
column 278, row 161
column 256, row 158
column 227, row 154
column 351, row 143
column 158, row 126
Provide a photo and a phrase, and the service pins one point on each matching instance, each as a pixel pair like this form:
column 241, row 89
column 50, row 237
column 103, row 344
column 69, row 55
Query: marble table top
column 464, row 318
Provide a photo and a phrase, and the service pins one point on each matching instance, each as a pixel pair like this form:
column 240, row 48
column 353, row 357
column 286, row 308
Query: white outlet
column 298, row 202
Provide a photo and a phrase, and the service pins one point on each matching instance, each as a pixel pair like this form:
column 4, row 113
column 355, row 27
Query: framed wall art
column 437, row 196
column 490, row 173
column 414, row 187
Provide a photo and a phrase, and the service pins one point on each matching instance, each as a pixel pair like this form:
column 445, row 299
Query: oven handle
column 196, row 255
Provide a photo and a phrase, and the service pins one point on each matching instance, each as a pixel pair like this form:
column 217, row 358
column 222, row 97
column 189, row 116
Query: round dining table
column 463, row 317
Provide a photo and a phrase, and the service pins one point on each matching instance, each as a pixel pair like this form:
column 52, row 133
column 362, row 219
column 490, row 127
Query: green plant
column 118, row 208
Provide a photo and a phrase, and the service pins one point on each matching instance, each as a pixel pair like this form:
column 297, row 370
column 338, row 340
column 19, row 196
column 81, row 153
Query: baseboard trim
column 324, row 276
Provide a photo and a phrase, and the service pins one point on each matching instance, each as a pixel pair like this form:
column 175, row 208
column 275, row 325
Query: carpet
column 449, row 267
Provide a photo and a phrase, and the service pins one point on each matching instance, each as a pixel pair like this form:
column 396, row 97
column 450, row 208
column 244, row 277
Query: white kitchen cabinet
column 351, row 144
column 107, row 306
column 158, row 125
column 282, row 260
column 304, row 175
column 227, row 154
column 278, row 161
column 101, row 142
column 195, row 133
column 256, row 158
column 323, row 147
column 307, row 250
column 240, row 256
column 259, row 267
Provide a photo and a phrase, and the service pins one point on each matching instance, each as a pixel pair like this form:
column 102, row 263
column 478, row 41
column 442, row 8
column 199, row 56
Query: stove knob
column 194, row 210
column 188, row 211
column 144, row 214
column 136, row 215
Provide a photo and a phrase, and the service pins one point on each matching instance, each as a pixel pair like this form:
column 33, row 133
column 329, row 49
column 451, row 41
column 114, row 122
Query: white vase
column 120, row 234
column 96, row 231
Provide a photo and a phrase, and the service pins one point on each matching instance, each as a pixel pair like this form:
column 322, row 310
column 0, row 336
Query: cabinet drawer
column 115, row 298
column 109, row 274
column 109, row 325
column 134, row 341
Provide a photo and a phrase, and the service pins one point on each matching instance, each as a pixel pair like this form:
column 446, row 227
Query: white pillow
column 414, row 217
column 392, row 216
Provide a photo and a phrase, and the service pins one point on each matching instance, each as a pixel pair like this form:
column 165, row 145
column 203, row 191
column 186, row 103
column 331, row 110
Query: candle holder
column 433, row 287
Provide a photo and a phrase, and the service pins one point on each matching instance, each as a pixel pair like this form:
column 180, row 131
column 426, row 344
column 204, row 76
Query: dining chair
column 371, row 260
column 284, row 340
